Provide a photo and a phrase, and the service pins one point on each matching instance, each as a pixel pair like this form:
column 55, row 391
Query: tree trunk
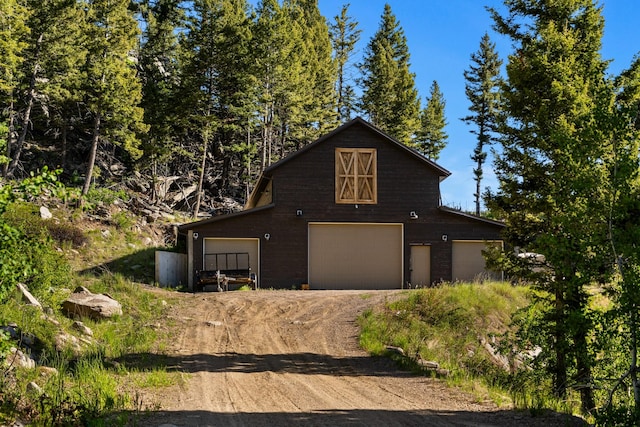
column 63, row 161
column 560, row 368
column 196, row 209
column 10, row 137
column 583, row 366
column 31, row 94
column 92, row 154
column 634, row 358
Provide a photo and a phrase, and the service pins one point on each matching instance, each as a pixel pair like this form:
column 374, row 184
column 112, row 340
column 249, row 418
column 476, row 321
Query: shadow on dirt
column 296, row 363
column 358, row 417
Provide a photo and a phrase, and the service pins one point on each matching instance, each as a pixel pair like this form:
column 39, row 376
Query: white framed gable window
column 356, row 176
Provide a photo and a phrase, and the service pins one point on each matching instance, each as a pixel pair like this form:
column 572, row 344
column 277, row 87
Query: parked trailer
column 225, row 269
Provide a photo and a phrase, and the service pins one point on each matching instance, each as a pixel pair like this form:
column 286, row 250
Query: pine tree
column 13, row 33
column 623, row 137
column 549, row 171
column 319, row 68
column 236, row 92
column 482, row 86
column 389, row 97
column 344, row 36
column 50, row 71
column 271, row 45
column 112, row 90
column 63, row 57
column 431, row 138
column 159, row 73
column 218, row 91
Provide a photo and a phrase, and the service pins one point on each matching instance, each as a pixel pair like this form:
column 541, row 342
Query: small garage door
column 468, row 261
column 231, row 254
column 355, row 256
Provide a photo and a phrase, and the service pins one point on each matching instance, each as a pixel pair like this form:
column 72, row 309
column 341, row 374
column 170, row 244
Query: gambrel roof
column 265, row 176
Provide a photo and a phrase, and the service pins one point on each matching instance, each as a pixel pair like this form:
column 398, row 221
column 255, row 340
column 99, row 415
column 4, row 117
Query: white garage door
column 355, row 256
column 468, row 262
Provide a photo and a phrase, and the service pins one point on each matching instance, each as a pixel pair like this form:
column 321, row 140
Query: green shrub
column 123, row 220
column 103, row 197
column 27, row 253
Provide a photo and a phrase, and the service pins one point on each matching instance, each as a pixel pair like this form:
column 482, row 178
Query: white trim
column 190, row 259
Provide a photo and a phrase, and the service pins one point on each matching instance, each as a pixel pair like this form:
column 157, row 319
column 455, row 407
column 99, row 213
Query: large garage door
column 468, row 261
column 355, row 256
column 231, row 254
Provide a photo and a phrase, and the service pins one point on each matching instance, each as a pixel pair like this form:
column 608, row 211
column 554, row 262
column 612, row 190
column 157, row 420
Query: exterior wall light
column 195, row 236
column 267, row 236
column 299, row 212
column 445, row 237
column 413, row 215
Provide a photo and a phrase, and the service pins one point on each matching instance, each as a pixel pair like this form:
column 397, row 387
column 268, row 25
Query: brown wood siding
column 404, row 183
column 431, row 230
column 307, row 183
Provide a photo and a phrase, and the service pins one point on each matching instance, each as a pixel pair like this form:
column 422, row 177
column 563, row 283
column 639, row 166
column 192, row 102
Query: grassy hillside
column 463, row 329
column 78, row 379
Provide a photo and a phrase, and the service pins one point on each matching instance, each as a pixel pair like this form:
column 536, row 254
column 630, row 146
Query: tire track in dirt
column 289, row 358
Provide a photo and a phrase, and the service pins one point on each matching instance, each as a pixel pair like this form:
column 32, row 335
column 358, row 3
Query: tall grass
column 448, row 325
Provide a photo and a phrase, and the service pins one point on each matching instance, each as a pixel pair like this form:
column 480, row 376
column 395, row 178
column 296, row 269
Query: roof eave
column 443, row 173
column 473, row 217
column 190, row 225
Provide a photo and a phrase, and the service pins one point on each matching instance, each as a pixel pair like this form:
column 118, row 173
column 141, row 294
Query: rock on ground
column 82, row 303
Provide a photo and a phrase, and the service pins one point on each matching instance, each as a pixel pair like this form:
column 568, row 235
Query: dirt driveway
column 291, row 358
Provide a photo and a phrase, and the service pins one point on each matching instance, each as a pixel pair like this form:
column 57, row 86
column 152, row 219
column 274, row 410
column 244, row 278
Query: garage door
column 355, row 256
column 231, row 254
column 468, row 262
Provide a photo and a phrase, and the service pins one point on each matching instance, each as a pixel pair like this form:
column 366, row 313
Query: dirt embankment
column 287, row 358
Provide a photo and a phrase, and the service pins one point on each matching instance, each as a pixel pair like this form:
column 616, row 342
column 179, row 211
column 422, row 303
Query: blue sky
column 442, row 35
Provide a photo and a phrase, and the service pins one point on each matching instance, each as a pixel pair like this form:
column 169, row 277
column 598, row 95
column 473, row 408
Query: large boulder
column 82, row 303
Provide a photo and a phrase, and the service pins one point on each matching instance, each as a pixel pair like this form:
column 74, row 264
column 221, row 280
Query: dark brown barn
column 353, row 210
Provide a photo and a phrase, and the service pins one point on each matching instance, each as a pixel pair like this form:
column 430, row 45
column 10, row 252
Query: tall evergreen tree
column 344, row 36
column 431, row 138
column 271, row 45
column 13, row 34
column 623, row 137
column 50, row 73
column 236, row 93
column 112, row 90
column 158, row 64
column 217, row 89
column 482, row 86
column 64, row 53
column 550, row 168
column 389, row 96
column 318, row 68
